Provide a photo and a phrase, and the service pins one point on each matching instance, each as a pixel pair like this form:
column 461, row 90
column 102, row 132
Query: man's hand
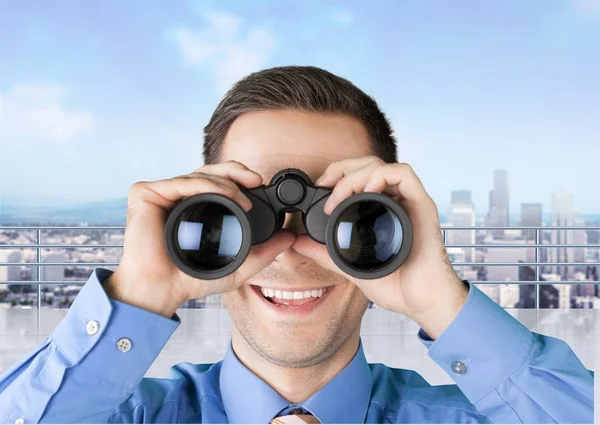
column 425, row 287
column 146, row 277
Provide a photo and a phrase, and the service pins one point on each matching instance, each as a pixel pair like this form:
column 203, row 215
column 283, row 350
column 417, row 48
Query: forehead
column 269, row 141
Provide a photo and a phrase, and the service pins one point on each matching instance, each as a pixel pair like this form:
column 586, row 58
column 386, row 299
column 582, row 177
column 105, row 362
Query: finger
column 235, row 171
column 261, row 255
column 237, row 194
column 401, row 175
column 353, row 182
column 166, row 193
column 339, row 169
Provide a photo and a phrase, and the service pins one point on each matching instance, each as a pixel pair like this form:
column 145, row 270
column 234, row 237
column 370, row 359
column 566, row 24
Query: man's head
column 306, row 118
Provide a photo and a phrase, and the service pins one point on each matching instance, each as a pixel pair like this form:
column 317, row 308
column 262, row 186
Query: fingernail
column 369, row 187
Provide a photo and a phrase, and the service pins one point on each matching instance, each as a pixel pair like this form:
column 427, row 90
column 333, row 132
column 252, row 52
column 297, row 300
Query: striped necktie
column 295, row 419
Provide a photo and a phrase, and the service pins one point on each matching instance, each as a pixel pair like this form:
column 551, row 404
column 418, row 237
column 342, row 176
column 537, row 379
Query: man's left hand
column 425, row 287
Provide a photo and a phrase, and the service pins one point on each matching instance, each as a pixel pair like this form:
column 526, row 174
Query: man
column 283, row 364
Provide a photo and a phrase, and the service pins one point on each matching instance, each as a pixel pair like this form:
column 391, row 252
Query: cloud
column 342, row 17
column 224, row 46
column 36, row 112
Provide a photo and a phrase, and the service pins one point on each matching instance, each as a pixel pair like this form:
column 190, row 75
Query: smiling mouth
column 289, row 298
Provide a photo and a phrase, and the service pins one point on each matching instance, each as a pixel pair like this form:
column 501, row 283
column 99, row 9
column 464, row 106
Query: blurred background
column 495, row 105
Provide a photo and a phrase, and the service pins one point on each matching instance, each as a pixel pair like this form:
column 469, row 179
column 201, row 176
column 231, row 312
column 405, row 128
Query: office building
column 531, row 216
column 506, row 255
column 527, row 293
column 562, row 215
column 509, row 295
column 10, row 272
column 461, row 197
column 462, row 214
column 579, row 238
column 499, row 213
column 53, row 273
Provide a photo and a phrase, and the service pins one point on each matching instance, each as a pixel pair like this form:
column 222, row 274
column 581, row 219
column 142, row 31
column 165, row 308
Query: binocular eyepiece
column 208, row 236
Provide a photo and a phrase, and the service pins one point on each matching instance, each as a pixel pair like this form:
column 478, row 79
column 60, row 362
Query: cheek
column 235, row 302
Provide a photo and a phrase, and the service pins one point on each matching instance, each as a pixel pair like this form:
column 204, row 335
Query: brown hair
column 303, row 88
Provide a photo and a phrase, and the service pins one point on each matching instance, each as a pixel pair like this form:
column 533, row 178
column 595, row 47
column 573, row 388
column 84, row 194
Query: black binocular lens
column 209, row 236
column 368, row 235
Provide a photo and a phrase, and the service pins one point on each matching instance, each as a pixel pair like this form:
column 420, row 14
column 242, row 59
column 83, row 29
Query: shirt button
column 20, row 421
column 92, row 327
column 459, row 368
column 124, row 345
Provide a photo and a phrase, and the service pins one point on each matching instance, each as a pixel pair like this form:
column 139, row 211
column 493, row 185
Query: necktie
column 295, row 419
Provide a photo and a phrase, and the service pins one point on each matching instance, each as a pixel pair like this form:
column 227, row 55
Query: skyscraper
column 579, row 238
column 505, row 255
column 531, row 215
column 462, row 214
column 498, row 214
column 461, row 197
column 562, row 215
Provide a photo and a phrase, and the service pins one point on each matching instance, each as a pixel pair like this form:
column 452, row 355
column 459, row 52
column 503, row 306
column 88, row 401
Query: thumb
column 261, row 255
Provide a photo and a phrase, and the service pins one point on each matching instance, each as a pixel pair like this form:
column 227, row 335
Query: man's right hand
column 146, row 277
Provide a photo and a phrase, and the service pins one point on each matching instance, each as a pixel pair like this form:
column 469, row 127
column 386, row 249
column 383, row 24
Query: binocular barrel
column 208, row 236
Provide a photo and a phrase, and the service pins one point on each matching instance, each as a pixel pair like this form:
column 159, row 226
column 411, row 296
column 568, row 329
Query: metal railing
column 536, row 264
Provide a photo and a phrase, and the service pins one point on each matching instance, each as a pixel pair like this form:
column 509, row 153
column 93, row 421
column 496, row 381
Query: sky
column 97, row 95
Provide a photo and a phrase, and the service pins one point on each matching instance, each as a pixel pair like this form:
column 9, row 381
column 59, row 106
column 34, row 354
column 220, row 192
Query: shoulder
column 403, row 394
column 182, row 393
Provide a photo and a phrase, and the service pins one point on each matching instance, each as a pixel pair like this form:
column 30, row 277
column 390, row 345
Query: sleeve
column 509, row 373
column 92, row 361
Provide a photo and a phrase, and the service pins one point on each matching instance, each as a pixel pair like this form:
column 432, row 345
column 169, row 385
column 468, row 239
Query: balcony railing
column 536, row 264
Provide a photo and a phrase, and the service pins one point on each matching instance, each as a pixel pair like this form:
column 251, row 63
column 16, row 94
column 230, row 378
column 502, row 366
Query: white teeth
column 288, row 295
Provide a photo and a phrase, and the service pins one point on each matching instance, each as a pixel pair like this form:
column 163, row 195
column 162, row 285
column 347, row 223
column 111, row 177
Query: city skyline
column 90, row 108
column 499, row 261
column 498, row 212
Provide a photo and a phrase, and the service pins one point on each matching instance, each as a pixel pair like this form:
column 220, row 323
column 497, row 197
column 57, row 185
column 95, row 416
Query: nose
column 293, row 222
column 289, row 258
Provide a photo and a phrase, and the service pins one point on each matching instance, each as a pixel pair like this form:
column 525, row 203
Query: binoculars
column 208, row 235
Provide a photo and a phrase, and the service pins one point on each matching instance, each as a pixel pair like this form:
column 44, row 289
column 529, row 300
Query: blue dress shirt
column 83, row 372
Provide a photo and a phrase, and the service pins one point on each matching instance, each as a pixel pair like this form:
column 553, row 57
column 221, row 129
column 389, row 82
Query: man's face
column 268, row 142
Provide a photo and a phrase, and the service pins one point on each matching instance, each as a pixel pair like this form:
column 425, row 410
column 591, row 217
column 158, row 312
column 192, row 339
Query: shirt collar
column 249, row 399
